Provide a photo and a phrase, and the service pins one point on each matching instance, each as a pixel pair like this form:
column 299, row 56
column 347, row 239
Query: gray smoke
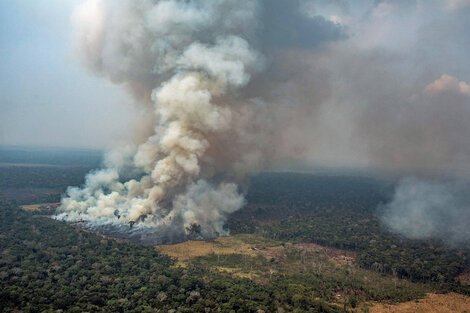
column 226, row 88
column 430, row 209
column 393, row 94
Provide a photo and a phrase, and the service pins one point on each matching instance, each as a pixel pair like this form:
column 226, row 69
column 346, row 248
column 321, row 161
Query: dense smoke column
column 184, row 61
column 223, row 88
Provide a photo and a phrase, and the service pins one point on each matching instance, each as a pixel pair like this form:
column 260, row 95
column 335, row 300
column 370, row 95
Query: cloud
column 458, row 4
column 447, row 83
column 339, row 20
column 383, row 9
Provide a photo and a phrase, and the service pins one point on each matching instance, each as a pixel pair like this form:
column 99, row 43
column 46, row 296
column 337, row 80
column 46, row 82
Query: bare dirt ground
column 340, row 256
column 39, row 206
column 464, row 278
column 439, row 303
column 247, row 244
column 191, row 249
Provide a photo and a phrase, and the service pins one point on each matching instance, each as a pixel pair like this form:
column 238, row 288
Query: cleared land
column 250, row 245
column 40, row 206
column 304, row 268
column 222, row 245
column 442, row 303
column 266, row 261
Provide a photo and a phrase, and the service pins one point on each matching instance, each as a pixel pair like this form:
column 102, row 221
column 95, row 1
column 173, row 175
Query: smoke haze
column 430, row 209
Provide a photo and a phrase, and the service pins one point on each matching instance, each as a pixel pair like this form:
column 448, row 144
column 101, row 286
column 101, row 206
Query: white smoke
column 430, row 209
column 183, row 61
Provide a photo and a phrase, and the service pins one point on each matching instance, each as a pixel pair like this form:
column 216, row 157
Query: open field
column 250, row 245
column 195, row 248
column 39, row 206
column 342, row 257
column 442, row 303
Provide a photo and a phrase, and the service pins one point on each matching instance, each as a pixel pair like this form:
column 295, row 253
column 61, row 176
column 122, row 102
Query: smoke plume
column 430, row 209
column 191, row 67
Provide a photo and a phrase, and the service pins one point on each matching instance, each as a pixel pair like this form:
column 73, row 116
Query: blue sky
column 46, row 98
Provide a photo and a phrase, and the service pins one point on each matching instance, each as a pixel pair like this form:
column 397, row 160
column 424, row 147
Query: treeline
column 51, row 156
column 42, row 177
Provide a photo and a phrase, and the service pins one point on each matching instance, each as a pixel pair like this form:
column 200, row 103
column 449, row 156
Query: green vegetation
column 307, row 274
column 49, row 266
column 340, row 212
column 46, row 265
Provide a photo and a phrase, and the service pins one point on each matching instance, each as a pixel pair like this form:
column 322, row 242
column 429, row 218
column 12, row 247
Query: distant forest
column 50, row 156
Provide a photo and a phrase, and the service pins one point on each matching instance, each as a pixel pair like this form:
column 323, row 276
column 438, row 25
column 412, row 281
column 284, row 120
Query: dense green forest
column 46, row 265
